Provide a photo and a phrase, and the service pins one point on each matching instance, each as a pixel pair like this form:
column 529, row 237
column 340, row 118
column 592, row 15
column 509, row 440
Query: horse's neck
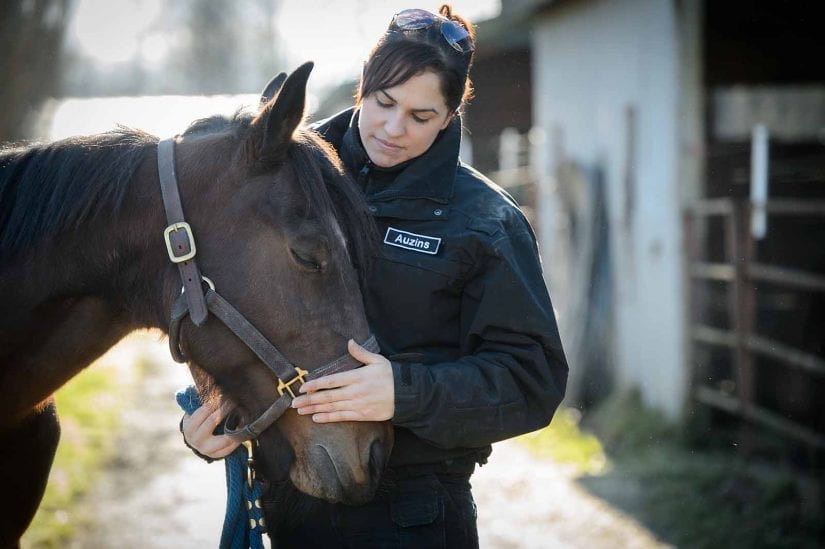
column 75, row 296
column 117, row 258
column 64, row 337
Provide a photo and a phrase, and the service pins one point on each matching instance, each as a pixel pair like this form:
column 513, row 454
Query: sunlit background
column 152, row 49
column 671, row 157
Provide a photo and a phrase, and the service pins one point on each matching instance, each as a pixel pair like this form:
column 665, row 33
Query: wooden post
column 741, row 241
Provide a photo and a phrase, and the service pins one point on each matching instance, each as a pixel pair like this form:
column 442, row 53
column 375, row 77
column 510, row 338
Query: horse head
column 279, row 227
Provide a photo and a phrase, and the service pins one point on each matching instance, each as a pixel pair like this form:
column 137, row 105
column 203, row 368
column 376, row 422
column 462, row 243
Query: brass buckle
column 182, row 226
column 288, row 385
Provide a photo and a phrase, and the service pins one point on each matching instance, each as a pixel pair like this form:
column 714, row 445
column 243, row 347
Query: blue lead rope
column 243, row 524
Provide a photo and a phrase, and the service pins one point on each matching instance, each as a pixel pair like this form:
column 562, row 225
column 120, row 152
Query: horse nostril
column 377, row 458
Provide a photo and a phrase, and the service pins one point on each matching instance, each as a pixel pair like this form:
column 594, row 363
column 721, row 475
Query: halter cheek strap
column 180, row 244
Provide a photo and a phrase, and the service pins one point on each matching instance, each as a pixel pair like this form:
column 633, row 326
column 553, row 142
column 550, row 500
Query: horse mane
column 49, row 188
column 46, row 189
column 238, row 123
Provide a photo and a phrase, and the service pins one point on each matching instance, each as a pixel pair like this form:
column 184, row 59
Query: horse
column 267, row 293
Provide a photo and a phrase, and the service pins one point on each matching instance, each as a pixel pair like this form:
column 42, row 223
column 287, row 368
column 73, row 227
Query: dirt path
column 524, row 502
column 157, row 495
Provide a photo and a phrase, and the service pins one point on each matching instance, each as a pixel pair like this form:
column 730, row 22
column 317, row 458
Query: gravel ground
column 524, row 502
column 156, row 495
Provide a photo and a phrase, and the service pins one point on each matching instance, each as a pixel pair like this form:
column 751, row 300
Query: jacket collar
column 430, row 176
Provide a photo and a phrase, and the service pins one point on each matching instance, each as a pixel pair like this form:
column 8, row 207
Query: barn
column 673, row 155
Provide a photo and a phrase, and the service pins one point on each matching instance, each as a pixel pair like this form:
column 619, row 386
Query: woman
column 457, row 301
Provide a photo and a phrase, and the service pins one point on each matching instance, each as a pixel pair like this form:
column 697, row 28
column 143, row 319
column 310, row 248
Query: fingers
column 221, row 446
column 203, row 424
column 360, row 354
column 217, row 447
column 331, row 406
column 340, row 410
column 370, row 399
column 345, row 378
column 332, row 381
column 363, row 394
column 343, row 392
column 192, row 422
column 341, row 415
column 198, row 428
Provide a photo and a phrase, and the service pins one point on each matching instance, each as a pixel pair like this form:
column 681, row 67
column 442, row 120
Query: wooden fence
column 741, row 271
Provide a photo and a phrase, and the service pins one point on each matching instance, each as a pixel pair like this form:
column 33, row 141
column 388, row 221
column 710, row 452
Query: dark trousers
column 421, row 512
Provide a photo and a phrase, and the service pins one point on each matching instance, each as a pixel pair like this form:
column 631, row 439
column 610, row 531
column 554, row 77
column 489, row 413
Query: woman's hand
column 198, row 427
column 364, row 394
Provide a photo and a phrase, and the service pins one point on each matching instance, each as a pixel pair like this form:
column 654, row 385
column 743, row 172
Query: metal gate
column 754, row 355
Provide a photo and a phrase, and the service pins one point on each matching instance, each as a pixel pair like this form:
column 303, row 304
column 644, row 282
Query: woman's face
column 400, row 123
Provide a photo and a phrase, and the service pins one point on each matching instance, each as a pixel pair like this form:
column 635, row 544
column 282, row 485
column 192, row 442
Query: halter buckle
column 288, row 385
column 167, row 235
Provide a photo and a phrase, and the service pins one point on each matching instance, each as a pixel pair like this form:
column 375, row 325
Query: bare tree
column 31, row 42
column 212, row 50
column 230, row 45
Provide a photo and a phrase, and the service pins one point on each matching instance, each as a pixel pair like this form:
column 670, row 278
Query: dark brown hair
column 393, row 62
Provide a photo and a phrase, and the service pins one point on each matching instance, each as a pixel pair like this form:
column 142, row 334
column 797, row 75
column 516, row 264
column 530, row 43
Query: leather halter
column 197, row 304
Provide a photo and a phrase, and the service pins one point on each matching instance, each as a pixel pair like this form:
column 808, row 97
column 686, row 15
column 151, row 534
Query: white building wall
column 592, row 61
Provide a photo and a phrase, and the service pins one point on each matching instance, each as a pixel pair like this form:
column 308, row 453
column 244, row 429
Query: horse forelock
column 333, row 196
column 46, row 189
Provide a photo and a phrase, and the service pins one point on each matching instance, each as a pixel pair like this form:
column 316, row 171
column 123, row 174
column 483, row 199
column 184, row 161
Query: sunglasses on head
column 412, row 20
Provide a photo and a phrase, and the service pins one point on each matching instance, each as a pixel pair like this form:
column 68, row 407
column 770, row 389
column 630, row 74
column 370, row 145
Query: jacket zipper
column 363, row 174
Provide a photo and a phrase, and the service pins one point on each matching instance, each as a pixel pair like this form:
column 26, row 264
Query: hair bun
column 446, row 11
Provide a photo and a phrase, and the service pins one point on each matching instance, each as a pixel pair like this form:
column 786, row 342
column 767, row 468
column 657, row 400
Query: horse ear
column 272, row 88
column 272, row 129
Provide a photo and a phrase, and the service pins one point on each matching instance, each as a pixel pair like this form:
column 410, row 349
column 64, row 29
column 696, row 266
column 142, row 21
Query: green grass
column 689, row 497
column 564, row 442
column 89, row 408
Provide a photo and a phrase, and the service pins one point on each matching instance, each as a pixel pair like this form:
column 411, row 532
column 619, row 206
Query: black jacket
column 457, row 301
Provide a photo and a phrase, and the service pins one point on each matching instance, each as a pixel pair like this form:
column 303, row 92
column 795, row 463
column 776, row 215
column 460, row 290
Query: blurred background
column 63, row 57
column 671, row 157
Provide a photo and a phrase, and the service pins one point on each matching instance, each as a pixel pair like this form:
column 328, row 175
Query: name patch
column 412, row 241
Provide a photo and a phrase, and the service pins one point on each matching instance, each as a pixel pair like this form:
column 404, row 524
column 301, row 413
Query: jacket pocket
column 419, row 518
column 416, row 509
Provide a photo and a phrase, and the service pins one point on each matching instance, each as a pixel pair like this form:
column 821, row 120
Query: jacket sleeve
column 512, row 374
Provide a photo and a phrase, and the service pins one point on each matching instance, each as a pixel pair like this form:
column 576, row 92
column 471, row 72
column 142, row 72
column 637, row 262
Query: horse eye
column 304, row 261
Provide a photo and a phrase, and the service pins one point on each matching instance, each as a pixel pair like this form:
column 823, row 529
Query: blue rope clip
column 243, row 523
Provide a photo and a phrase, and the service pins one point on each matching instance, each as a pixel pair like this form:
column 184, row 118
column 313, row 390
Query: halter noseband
column 197, row 304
